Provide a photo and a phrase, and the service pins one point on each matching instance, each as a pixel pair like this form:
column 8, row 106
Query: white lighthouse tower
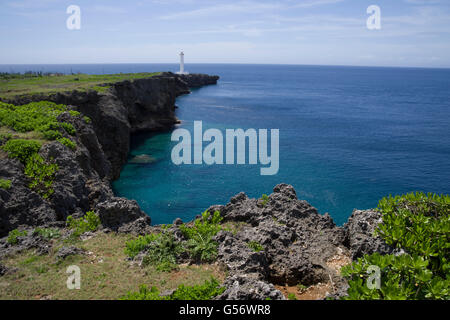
column 182, row 64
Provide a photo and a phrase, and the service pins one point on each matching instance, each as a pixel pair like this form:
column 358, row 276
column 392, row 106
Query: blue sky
column 325, row 32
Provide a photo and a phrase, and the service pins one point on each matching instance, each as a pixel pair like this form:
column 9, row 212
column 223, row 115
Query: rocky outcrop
column 297, row 244
column 359, row 232
column 82, row 182
column 64, row 252
column 122, row 215
column 242, row 287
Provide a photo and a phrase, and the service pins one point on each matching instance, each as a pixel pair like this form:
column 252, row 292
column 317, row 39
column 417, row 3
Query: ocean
column 348, row 136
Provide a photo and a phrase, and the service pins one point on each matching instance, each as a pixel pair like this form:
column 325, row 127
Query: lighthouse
column 182, row 64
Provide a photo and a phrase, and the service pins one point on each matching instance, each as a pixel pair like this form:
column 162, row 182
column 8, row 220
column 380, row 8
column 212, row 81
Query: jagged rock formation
column 82, row 182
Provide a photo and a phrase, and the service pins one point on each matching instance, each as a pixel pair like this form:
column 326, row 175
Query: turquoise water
column 348, row 136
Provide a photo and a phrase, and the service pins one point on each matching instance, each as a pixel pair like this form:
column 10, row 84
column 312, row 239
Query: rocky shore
column 298, row 244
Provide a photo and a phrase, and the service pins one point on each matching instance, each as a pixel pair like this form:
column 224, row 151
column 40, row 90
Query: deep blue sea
column 348, row 136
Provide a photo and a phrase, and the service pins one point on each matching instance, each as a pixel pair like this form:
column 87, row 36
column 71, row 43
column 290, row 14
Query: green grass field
column 26, row 85
column 105, row 272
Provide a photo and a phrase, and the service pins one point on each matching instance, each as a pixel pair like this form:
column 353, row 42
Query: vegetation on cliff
column 24, row 129
column 12, row 85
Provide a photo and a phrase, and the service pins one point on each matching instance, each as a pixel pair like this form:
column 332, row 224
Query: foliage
column 68, row 127
column 68, row 143
column 36, row 116
column 47, row 233
column 264, row 199
column 41, row 175
column 141, row 243
column 14, row 234
column 162, row 252
column 206, row 291
column 89, row 222
column 199, row 244
column 291, row 296
column 402, row 277
column 5, row 184
column 74, row 113
column 418, row 224
column 255, row 246
column 87, row 120
column 21, row 149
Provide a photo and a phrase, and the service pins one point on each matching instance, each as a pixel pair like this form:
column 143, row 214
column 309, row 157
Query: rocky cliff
column 82, row 182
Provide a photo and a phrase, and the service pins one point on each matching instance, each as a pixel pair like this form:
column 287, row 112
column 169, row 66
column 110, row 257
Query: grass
column 105, row 273
column 48, row 84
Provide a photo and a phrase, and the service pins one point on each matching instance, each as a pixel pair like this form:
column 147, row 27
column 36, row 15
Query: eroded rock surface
column 296, row 241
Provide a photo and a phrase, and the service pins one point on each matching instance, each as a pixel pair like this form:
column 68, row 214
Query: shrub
column 21, row 149
column 419, row 224
column 47, row 233
column 135, row 246
column 14, row 234
column 41, row 175
column 68, row 127
column 87, row 120
column 206, row 291
column 51, row 134
column 68, row 143
column 264, row 199
column 74, row 113
column 162, row 252
column 5, row 184
column 291, row 296
column 89, row 222
column 30, row 117
column 255, row 246
column 199, row 244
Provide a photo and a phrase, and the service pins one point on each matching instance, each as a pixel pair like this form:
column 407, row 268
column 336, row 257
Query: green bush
column 74, row 113
column 291, row 296
column 5, row 184
column 255, row 246
column 135, row 246
column 14, row 234
column 68, row 127
column 68, row 143
column 89, row 222
column 47, row 233
column 34, row 116
column 41, row 175
column 264, row 199
column 206, row 291
column 21, row 149
column 419, row 224
column 162, row 252
column 51, row 134
column 87, row 120
column 199, row 244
